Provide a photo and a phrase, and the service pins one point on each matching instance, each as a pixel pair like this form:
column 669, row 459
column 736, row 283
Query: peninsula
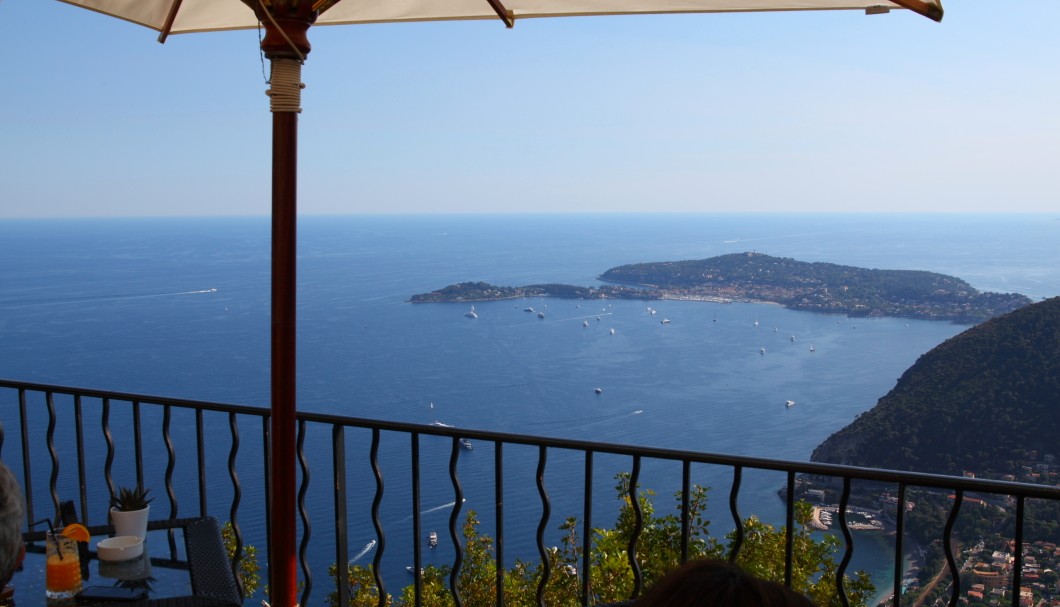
column 756, row 277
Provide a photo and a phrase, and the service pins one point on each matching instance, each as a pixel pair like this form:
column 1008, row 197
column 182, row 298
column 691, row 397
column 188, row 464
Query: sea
column 179, row 307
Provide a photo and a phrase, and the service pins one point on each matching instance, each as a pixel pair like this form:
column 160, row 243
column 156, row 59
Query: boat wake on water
column 367, row 548
column 95, row 298
column 445, row 506
column 582, row 423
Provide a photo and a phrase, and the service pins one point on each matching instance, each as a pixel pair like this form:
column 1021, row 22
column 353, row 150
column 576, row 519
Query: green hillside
column 982, row 401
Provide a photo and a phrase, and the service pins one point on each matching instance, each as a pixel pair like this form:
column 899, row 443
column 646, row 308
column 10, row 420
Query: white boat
column 466, row 444
column 812, row 349
column 540, row 314
column 432, row 539
column 471, row 313
column 665, row 321
column 598, row 390
column 792, row 338
column 585, row 323
column 531, row 309
column 612, row 331
column 412, row 570
column 789, row 403
column 761, row 350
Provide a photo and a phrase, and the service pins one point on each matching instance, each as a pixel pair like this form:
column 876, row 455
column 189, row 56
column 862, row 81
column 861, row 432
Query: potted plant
column 129, row 509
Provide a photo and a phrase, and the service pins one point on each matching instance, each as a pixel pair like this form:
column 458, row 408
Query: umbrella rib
column 170, row 18
column 506, row 15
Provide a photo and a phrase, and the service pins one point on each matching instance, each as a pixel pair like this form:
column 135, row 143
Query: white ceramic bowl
column 120, row 548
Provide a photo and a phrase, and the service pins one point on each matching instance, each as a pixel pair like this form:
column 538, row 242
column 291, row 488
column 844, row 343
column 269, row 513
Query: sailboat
column 471, row 313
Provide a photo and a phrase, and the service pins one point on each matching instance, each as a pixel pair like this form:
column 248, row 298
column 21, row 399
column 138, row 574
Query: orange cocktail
column 62, row 571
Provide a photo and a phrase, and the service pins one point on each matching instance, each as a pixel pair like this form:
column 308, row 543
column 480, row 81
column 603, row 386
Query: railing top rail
column 132, row 396
column 919, row 479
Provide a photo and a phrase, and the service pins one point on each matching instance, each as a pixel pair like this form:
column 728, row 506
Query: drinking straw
column 51, row 532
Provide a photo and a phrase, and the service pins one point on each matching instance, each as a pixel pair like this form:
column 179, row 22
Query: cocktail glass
column 62, row 571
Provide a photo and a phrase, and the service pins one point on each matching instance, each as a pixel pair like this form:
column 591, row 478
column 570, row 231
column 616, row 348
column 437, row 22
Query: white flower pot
column 133, row 522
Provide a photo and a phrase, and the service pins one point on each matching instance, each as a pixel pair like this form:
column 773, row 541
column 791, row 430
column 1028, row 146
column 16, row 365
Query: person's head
column 11, row 547
column 710, row 583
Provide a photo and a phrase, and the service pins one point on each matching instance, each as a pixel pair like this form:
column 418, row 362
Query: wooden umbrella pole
column 286, row 45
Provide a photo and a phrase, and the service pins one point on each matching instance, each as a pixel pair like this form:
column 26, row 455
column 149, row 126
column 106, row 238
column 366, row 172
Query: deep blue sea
column 180, row 307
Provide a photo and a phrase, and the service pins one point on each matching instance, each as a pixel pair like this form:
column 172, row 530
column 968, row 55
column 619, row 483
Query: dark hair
column 710, row 583
column 10, row 524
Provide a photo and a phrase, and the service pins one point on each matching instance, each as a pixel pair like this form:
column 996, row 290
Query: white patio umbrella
column 286, row 23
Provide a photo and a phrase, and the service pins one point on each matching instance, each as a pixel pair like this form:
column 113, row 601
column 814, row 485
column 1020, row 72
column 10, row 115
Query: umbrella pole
column 282, row 562
column 286, row 45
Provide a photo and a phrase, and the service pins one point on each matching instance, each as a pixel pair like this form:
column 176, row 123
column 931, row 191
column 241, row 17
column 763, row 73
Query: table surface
column 200, row 579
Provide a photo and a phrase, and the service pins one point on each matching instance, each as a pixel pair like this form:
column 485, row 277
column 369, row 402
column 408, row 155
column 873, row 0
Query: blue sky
column 814, row 112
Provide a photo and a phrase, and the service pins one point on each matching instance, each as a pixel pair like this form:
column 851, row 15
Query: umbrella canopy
column 286, row 44
column 182, row 16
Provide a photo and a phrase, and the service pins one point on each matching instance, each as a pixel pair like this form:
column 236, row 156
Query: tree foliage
column 611, row 577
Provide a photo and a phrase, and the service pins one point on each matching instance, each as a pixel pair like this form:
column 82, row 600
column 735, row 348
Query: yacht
column 612, row 331
column 432, row 539
column 812, row 349
column 665, row 321
column 540, row 314
column 466, row 444
column 598, row 390
column 789, row 403
column 530, row 309
column 471, row 313
column 585, row 323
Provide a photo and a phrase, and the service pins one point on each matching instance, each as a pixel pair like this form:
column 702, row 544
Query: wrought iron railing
column 46, row 432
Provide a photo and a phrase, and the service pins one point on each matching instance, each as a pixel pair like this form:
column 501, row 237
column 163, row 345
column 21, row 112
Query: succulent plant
column 128, row 499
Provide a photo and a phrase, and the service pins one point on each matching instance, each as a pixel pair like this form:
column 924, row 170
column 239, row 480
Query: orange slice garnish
column 76, row 532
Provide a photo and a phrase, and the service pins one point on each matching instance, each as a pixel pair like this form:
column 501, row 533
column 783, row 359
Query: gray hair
column 10, row 523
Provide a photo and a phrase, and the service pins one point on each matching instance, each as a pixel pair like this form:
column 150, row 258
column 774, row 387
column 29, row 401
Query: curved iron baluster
column 638, row 526
column 138, row 442
column 376, row 521
column 498, row 500
column 789, row 530
column 546, row 512
column 686, row 506
column 171, row 463
column 1017, row 563
column 237, row 493
column 840, row 573
column 734, row 492
column 27, row 477
column 79, row 431
column 454, row 518
column 587, row 527
column 50, row 440
column 417, row 578
column 108, row 463
column 338, row 479
column 947, row 540
column 200, row 448
column 899, row 550
column 307, row 528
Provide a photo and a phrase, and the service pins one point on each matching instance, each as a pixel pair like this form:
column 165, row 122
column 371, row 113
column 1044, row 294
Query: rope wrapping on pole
column 285, row 85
